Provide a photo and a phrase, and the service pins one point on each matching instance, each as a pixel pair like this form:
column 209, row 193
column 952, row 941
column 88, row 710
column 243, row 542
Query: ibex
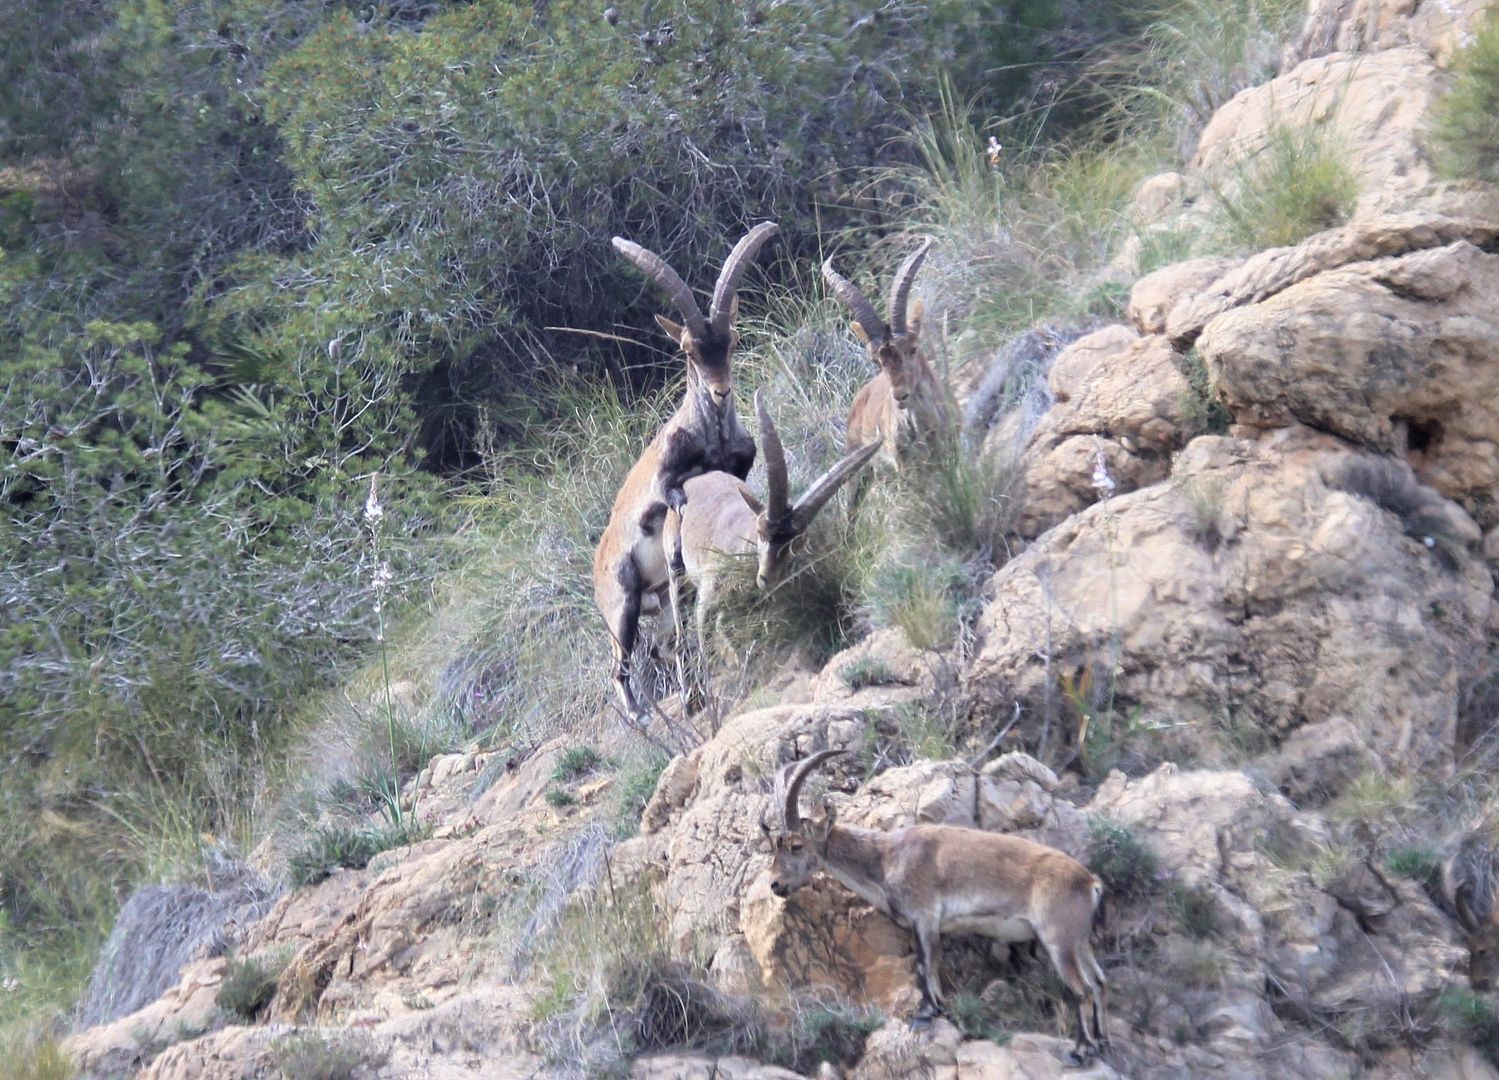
column 1470, row 879
column 703, row 435
column 935, row 879
column 723, row 517
column 904, row 407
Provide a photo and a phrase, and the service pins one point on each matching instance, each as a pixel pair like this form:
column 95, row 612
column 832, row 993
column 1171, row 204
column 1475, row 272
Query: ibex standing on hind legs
column 933, row 879
column 723, row 517
column 703, row 435
column 904, row 407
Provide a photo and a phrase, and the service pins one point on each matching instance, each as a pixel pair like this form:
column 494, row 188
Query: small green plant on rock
column 1465, row 123
column 248, row 985
column 1119, row 857
column 316, row 1055
column 560, row 798
column 1298, row 184
column 1473, row 1017
column 335, row 847
column 867, row 671
column 576, row 762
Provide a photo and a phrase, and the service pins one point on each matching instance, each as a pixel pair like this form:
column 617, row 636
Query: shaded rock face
column 1396, row 354
column 1247, row 590
column 1372, row 25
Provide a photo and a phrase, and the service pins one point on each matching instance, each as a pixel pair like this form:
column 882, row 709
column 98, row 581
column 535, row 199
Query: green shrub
column 316, row 1055
column 577, row 761
column 1120, row 858
column 1193, row 909
column 248, row 985
column 560, row 798
column 1298, row 184
column 637, row 783
column 1465, row 122
column 923, row 598
column 1473, row 1017
column 977, row 1018
column 330, row 848
column 824, row 1032
column 867, row 671
column 40, row 1059
column 1416, row 862
column 1202, row 411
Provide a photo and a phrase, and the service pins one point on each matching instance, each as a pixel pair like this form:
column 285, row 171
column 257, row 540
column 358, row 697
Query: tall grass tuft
column 1298, row 184
column 1465, row 123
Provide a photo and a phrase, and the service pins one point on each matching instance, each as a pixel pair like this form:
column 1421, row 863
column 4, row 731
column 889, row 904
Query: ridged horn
column 789, row 812
column 827, row 485
column 900, row 288
column 669, row 281
column 733, row 270
column 776, row 482
column 857, row 302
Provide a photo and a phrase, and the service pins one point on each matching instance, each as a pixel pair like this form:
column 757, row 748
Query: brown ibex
column 904, row 407
column 936, row 879
column 723, row 518
column 1470, row 880
column 703, row 435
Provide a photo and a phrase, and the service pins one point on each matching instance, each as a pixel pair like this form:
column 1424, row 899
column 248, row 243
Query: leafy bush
column 316, row 1055
column 577, row 761
column 1465, row 123
column 330, row 848
column 867, row 671
column 1119, row 857
column 1297, row 185
column 1193, row 909
column 1473, row 1017
column 637, row 783
column 1202, row 411
column 821, row 1032
column 560, row 798
column 1417, row 862
column 248, row 986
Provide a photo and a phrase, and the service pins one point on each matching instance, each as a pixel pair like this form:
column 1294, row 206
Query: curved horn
column 777, row 486
column 790, row 813
column 857, row 302
column 733, row 269
column 669, row 281
column 827, row 485
column 900, row 288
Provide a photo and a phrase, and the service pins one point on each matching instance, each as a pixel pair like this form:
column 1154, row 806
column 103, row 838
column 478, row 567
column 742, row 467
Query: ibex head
column 707, row 343
column 800, row 843
column 779, row 523
column 892, row 346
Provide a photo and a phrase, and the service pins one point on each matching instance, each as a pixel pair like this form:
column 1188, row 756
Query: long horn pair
column 778, row 503
column 795, row 776
column 900, row 295
column 671, row 283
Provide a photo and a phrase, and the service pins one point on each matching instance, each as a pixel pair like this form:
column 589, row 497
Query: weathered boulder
column 1120, row 403
column 1249, row 595
column 1400, row 354
column 1153, row 296
column 1374, row 105
column 941, row 1053
column 124, row 1044
column 1444, row 218
column 1372, row 25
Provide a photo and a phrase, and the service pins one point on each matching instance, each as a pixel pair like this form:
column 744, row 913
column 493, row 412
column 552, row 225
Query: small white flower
column 1429, row 541
column 373, row 511
column 1103, row 483
column 10, row 985
column 382, row 577
column 996, row 148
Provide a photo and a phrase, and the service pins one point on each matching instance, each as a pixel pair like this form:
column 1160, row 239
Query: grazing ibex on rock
column 904, row 407
column 935, row 879
column 1470, row 881
column 723, row 517
column 703, row 435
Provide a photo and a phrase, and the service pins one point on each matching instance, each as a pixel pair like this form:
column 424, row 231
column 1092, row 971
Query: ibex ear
column 673, row 331
column 753, row 503
column 860, row 334
column 913, row 320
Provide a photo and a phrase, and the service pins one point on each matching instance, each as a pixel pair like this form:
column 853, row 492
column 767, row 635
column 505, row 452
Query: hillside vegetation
column 321, row 377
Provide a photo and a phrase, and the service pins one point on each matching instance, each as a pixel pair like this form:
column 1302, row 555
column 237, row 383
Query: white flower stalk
column 1103, row 483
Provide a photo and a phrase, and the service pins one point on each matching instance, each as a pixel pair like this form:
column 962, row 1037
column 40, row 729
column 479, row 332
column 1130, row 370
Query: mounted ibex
column 723, row 517
column 904, row 407
column 935, row 879
column 703, row 435
column 1470, row 881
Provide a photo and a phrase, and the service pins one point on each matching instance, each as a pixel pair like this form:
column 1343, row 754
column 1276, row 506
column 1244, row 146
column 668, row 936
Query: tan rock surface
column 1400, row 354
column 1153, row 296
column 1374, row 104
column 1372, row 25
column 1247, row 590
